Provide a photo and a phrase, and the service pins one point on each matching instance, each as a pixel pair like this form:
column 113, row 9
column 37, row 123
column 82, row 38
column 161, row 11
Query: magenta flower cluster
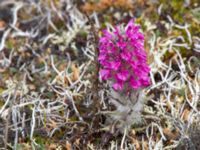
column 122, row 57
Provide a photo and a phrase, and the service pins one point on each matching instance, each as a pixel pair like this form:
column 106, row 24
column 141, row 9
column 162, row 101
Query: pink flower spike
column 123, row 58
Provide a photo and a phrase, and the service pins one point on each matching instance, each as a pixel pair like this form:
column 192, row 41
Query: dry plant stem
column 97, row 66
column 8, row 117
column 6, row 130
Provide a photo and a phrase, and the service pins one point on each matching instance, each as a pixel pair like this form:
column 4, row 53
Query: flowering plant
column 123, row 59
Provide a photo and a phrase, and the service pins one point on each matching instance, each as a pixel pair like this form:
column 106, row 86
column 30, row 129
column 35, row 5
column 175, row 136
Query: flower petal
column 107, row 34
column 145, row 82
column 135, row 84
column 123, row 75
column 115, row 65
column 125, row 56
column 102, row 57
column 118, row 86
column 104, row 74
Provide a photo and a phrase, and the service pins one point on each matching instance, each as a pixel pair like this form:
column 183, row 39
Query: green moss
column 21, row 146
column 181, row 92
column 1, row 101
column 41, row 143
column 13, row 70
column 9, row 44
column 82, row 33
column 107, row 18
column 194, row 28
